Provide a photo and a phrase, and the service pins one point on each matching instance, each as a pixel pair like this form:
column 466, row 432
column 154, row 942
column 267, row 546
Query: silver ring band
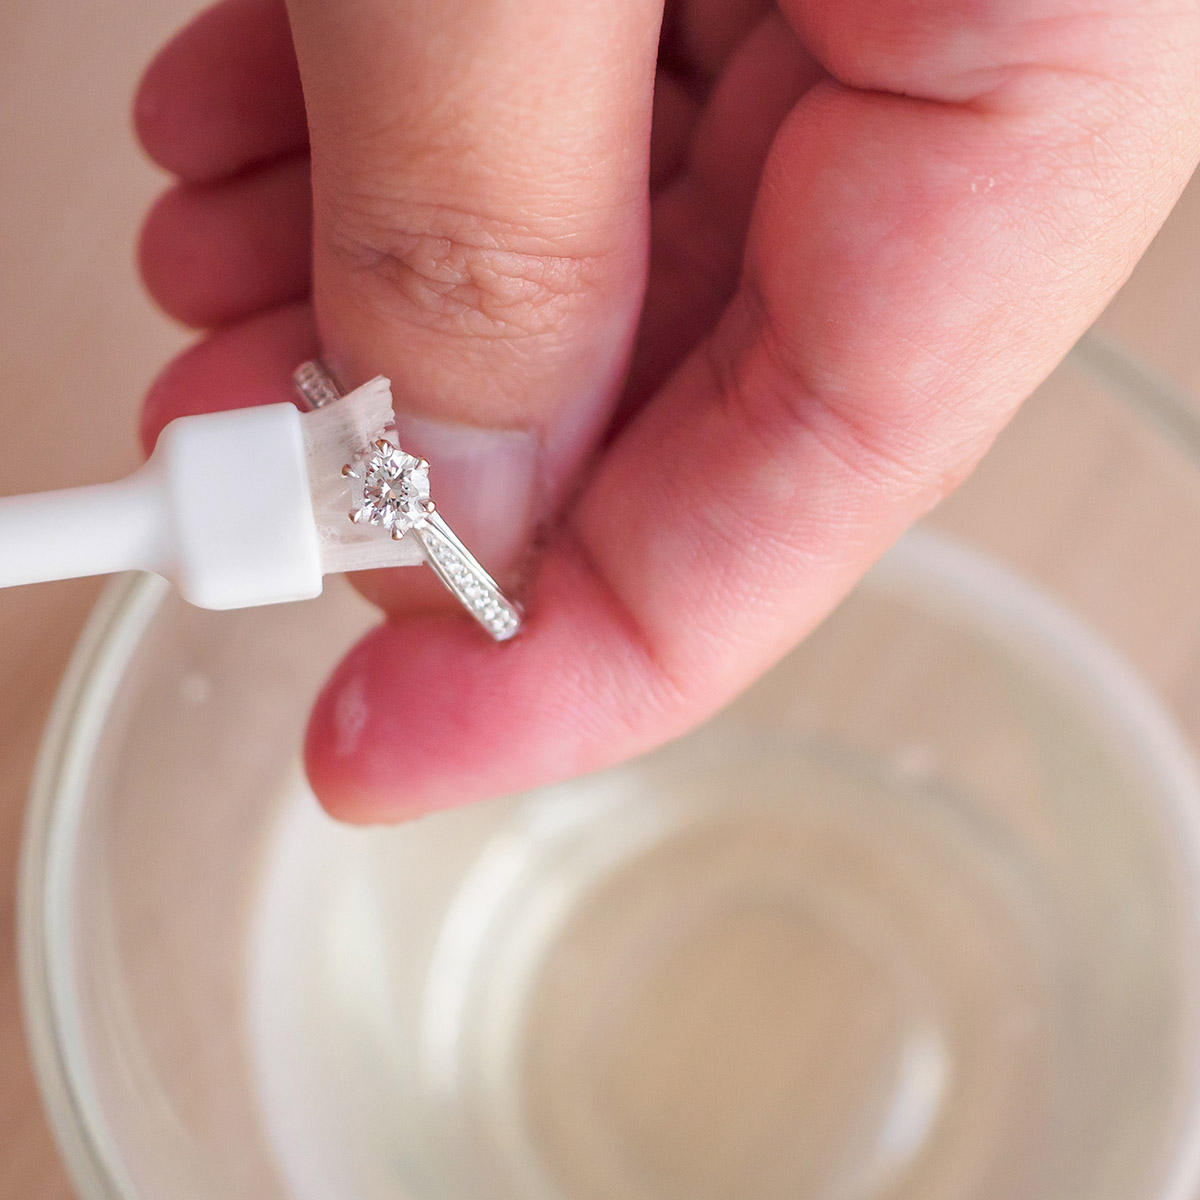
column 315, row 384
column 405, row 482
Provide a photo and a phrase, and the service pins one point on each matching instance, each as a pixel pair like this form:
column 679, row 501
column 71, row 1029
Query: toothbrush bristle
column 336, row 435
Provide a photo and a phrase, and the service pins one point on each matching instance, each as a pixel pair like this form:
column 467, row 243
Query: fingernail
column 483, row 481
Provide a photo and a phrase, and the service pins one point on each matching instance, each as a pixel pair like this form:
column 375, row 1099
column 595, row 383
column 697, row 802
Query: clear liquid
column 899, row 924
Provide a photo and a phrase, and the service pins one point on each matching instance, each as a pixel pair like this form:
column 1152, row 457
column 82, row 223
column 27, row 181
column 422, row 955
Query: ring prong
column 429, row 506
column 397, row 534
column 423, row 464
column 356, row 516
column 348, row 472
column 383, row 445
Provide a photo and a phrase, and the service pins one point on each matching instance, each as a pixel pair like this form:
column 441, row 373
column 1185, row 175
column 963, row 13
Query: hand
column 721, row 332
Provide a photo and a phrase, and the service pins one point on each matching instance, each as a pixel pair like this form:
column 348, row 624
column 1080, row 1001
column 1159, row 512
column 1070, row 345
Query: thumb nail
column 484, row 482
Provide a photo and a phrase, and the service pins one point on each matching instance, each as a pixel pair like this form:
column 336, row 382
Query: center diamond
column 395, row 489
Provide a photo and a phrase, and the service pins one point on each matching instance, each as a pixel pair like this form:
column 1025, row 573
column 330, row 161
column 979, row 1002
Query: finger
column 480, row 200
column 699, row 219
column 223, row 94
column 238, row 367
column 896, row 304
column 675, row 113
column 215, row 253
column 705, row 34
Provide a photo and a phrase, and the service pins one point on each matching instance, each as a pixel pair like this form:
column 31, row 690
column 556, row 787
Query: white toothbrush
column 254, row 506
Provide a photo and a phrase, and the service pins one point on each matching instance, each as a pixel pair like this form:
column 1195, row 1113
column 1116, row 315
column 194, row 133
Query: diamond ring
column 390, row 489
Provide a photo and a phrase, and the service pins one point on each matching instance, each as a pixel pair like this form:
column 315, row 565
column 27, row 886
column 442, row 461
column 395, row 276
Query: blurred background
column 81, row 342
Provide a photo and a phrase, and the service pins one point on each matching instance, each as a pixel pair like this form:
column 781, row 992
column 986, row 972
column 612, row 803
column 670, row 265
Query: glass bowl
column 917, row 916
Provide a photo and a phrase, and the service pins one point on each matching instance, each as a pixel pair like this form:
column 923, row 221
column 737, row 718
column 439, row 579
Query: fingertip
column 162, row 255
column 155, row 119
column 223, row 93
column 216, row 253
column 428, row 714
column 168, row 114
column 410, row 721
column 237, row 367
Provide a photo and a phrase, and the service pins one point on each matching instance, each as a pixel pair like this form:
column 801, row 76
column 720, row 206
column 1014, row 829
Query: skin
column 828, row 253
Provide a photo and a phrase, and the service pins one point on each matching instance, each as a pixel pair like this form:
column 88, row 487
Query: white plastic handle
column 118, row 526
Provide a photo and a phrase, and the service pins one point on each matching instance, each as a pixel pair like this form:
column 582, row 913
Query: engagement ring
column 390, row 489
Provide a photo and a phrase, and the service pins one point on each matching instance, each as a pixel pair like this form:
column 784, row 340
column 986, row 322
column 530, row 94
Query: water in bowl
column 895, row 925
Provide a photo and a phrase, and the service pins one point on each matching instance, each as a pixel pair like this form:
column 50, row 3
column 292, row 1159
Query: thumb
column 480, row 226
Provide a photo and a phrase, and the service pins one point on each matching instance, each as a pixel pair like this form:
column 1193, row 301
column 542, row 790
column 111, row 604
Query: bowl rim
column 110, row 638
